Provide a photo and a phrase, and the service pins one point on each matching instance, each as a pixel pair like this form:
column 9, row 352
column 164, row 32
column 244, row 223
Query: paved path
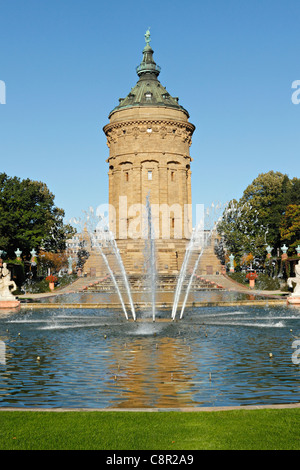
column 224, row 281
column 77, row 286
column 231, row 285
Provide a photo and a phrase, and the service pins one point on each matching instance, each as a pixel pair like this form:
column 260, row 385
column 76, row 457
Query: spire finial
column 148, row 65
column 147, row 36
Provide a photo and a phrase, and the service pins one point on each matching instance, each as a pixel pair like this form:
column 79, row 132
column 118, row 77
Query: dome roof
column 148, row 91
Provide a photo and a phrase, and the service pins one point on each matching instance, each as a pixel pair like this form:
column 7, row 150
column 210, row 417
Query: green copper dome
column 148, row 91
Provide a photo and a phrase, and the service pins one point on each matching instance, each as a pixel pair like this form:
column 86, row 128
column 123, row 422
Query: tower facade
column 149, row 136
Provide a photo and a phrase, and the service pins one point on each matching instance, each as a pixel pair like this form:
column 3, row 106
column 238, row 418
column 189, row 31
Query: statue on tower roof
column 148, row 37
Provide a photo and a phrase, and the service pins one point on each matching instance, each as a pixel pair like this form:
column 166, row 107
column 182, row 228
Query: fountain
column 103, row 240
column 113, row 362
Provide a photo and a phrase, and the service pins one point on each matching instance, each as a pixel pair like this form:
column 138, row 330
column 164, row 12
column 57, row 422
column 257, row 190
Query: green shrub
column 263, row 282
column 40, row 286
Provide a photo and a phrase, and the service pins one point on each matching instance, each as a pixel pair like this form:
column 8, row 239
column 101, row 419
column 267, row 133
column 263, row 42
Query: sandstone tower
column 149, row 136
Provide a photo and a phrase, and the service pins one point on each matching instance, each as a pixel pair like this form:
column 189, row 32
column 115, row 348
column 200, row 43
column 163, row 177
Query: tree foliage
column 29, row 218
column 241, row 230
column 290, row 225
column 82, row 255
column 53, row 261
column 269, row 194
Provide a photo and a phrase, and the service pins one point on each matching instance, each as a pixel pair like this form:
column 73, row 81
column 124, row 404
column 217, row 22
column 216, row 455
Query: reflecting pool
column 94, row 358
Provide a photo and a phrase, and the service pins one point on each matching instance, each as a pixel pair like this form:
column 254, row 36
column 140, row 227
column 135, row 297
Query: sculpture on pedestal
column 7, row 299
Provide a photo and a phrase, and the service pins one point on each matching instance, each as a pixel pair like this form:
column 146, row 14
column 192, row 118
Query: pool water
column 93, row 358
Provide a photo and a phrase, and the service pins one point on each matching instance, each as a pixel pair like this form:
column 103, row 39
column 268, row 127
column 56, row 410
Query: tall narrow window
column 172, row 175
column 149, row 175
column 173, row 222
column 126, row 176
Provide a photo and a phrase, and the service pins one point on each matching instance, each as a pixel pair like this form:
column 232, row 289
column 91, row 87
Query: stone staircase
column 165, row 283
column 95, row 265
column 169, row 259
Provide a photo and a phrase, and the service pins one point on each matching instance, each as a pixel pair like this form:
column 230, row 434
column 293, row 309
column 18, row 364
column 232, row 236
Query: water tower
column 149, row 137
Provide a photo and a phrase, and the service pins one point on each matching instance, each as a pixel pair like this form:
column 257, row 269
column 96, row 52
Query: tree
column 295, row 191
column 290, row 226
column 266, row 214
column 58, row 233
column 54, row 261
column 269, row 194
column 82, row 255
column 29, row 217
column 241, row 231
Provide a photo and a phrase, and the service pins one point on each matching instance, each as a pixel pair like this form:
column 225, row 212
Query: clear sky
column 65, row 63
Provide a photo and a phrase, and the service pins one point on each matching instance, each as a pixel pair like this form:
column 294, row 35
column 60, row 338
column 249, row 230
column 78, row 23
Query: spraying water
column 121, row 265
column 150, row 257
column 192, row 277
column 182, row 274
column 99, row 248
column 100, row 235
column 199, row 241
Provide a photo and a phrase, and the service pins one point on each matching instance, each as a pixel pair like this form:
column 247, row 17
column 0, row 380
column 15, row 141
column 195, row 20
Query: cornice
column 148, row 122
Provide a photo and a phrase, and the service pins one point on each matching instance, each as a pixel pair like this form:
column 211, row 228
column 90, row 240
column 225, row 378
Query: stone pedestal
column 294, row 299
column 8, row 304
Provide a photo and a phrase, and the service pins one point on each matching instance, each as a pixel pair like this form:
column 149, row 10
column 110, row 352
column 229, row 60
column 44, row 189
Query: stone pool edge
column 151, row 410
column 268, row 302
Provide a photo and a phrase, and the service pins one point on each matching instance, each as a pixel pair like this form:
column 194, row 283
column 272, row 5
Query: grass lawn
column 96, row 430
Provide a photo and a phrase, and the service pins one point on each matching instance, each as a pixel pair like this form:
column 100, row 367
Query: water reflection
column 153, row 374
column 2, row 353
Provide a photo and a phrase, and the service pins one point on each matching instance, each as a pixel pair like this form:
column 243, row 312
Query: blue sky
column 65, row 63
